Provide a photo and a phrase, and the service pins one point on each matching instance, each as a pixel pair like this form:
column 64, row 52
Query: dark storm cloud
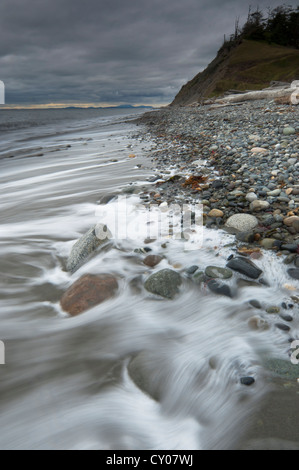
column 109, row 50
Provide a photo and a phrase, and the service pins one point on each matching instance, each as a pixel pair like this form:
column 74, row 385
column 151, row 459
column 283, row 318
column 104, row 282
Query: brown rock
column 88, row 291
column 289, row 221
column 215, row 213
column 152, row 260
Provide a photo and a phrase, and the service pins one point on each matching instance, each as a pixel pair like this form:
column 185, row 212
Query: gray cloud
column 109, row 50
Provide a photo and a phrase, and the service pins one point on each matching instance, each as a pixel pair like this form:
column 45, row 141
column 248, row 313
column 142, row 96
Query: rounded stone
column 215, row 213
column 289, row 130
column 218, row 272
column 152, row 260
column 259, row 205
column 268, row 243
column 282, row 326
column 247, row 381
column 291, row 220
column 242, row 222
column 164, row 283
column 251, row 197
column 87, row 292
column 192, row 269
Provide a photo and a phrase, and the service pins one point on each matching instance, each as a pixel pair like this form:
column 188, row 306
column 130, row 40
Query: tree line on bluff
column 280, row 26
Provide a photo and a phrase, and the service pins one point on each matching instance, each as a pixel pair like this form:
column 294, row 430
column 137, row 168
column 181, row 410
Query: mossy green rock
column 164, row 283
column 218, row 272
column 273, row 309
column 289, row 130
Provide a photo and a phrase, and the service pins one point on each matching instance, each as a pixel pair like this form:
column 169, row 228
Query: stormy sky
column 110, row 51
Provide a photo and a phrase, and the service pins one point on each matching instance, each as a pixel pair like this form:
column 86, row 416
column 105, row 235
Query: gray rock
column 242, row 222
column 192, row 269
column 219, row 288
column 259, row 205
column 247, row 237
column 245, row 266
column 255, row 303
column 289, row 130
column 86, row 245
column 247, row 381
column 292, row 247
column 218, row 272
column 142, row 372
column 164, row 283
column 294, row 273
column 282, row 326
column 251, row 197
column 274, row 193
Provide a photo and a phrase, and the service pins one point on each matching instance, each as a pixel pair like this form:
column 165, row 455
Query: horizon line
column 79, row 105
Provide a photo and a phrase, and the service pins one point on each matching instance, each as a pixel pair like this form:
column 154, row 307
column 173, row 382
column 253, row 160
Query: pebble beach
column 240, row 161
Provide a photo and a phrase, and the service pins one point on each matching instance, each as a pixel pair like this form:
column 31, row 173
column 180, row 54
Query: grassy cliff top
column 251, row 65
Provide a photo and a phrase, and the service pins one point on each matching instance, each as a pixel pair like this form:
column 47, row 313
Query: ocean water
column 67, row 383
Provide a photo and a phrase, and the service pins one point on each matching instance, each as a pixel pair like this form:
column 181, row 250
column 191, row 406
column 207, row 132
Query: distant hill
column 243, row 65
column 121, row 106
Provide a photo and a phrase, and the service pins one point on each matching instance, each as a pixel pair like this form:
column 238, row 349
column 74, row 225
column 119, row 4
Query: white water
column 65, row 384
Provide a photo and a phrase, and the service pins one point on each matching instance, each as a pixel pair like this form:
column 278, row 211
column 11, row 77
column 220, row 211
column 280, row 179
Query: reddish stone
column 152, row 260
column 87, row 292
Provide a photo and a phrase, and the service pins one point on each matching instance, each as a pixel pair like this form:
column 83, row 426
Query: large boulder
column 164, row 283
column 87, row 292
column 86, row 245
column 242, row 222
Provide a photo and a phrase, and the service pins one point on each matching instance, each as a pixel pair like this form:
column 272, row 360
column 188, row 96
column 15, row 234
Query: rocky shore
column 242, row 164
column 240, row 161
